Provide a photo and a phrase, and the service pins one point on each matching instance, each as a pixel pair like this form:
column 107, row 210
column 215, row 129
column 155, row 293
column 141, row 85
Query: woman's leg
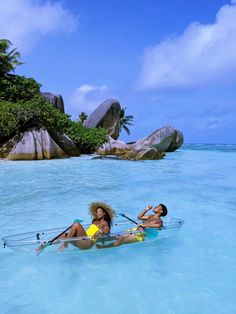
column 77, row 230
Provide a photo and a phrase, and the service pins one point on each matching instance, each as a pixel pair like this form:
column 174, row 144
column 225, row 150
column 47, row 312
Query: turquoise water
column 193, row 272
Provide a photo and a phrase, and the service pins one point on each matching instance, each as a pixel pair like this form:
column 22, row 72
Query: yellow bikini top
column 92, row 230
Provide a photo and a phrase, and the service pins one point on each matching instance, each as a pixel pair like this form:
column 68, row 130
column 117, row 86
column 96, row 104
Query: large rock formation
column 127, row 151
column 113, row 147
column 55, row 100
column 106, row 116
column 177, row 141
column 66, row 144
column 35, row 144
column 141, row 154
column 151, row 147
column 165, row 139
column 9, row 145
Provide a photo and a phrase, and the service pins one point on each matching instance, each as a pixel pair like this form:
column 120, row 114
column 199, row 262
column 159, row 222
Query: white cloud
column 23, row 22
column 86, row 98
column 202, row 54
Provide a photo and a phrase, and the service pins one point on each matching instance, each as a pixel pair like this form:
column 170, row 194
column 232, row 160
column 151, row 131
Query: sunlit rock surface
column 113, row 147
column 151, row 147
column 106, row 116
column 35, row 145
column 165, row 139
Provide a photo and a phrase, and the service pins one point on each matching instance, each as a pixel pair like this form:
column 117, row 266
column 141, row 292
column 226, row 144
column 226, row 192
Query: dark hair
column 106, row 217
column 164, row 209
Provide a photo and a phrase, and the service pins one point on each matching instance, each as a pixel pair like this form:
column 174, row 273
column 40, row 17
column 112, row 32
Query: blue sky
column 168, row 62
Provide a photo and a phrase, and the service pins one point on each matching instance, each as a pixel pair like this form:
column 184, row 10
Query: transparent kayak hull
column 28, row 242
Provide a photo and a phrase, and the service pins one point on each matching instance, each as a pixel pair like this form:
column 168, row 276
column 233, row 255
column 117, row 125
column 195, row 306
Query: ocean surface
column 191, row 272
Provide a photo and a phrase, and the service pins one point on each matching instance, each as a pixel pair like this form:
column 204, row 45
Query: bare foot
column 63, row 246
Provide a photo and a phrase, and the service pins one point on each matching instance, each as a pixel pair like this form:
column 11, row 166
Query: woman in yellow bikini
column 102, row 215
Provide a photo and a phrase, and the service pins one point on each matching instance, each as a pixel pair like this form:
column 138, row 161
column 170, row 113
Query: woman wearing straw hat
column 102, row 215
column 101, row 212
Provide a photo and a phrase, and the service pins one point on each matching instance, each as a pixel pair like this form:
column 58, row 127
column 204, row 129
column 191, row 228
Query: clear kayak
column 31, row 241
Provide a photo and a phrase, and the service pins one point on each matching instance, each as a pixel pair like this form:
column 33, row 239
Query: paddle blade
column 120, row 214
column 151, row 232
column 39, row 250
column 43, row 248
column 78, row 220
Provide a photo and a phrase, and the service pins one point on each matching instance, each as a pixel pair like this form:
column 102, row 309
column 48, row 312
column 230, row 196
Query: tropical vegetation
column 22, row 107
column 88, row 139
column 8, row 59
column 124, row 121
column 82, row 117
column 17, row 88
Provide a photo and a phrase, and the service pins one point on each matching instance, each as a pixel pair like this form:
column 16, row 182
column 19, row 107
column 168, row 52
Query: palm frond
column 126, row 129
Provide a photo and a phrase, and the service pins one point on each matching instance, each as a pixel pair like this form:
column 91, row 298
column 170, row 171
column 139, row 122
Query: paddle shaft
column 135, row 222
column 56, row 237
column 149, row 231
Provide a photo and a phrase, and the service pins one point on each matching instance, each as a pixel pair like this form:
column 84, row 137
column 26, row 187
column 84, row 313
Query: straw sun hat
column 95, row 205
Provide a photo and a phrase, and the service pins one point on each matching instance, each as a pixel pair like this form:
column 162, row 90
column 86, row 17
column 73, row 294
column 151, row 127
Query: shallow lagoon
column 194, row 272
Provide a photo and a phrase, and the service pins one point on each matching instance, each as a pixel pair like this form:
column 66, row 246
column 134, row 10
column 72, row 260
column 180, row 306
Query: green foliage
column 19, row 117
column 88, row 139
column 38, row 113
column 16, row 88
column 8, row 122
column 22, row 107
column 8, row 60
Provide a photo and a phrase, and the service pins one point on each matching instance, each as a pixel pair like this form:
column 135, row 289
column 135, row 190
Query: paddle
column 148, row 231
column 123, row 215
column 50, row 242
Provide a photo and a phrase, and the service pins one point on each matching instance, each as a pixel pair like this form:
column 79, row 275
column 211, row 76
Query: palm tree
column 124, row 121
column 8, row 60
column 82, row 117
